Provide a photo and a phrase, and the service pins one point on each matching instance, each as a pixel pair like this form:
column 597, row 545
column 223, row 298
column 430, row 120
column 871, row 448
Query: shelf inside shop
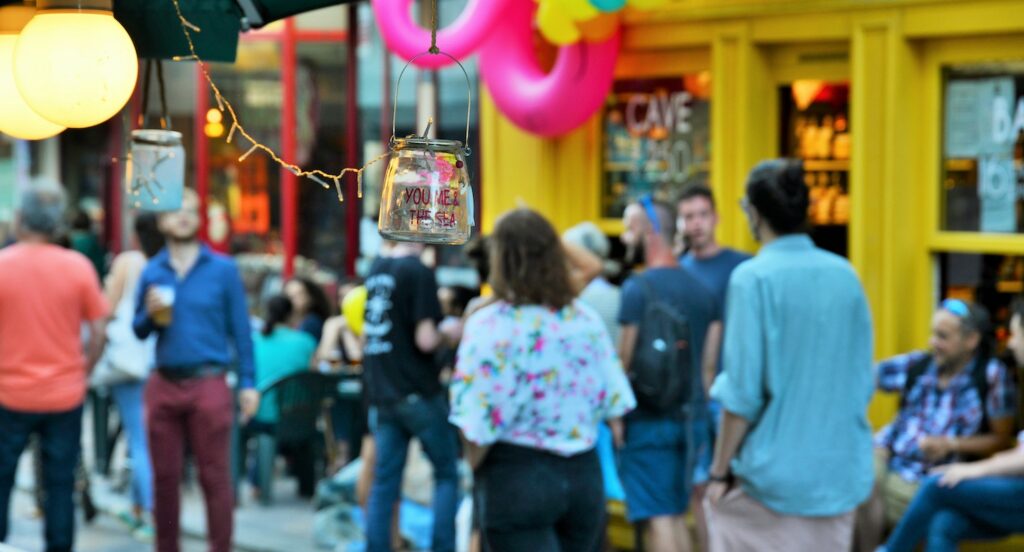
column 826, row 165
column 961, row 165
column 1010, row 287
column 620, row 166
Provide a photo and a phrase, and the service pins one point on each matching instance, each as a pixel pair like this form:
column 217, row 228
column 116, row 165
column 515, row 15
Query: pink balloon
column 545, row 104
column 461, row 38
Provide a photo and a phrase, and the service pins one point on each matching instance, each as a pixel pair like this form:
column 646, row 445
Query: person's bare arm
column 1005, row 464
column 584, row 266
column 120, row 269
column 998, row 438
column 352, row 344
column 475, row 454
column 428, row 339
column 712, row 349
column 627, row 343
column 331, row 335
column 731, row 433
column 97, row 339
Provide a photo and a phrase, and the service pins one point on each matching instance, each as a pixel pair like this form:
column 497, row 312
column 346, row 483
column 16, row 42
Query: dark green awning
column 154, row 28
column 153, row 24
column 272, row 10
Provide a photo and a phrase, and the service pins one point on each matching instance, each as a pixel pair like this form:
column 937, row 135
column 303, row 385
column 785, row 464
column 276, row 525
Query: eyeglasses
column 957, row 307
column 745, row 204
column 652, row 215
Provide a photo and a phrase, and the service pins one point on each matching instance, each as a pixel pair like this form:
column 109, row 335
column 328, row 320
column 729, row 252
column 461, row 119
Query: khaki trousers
column 738, row 523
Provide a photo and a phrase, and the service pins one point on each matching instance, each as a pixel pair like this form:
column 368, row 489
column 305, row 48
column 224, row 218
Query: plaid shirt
column 929, row 411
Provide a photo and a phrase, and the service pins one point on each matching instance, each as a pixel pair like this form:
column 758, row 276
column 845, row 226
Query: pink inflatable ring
column 460, row 39
column 544, row 104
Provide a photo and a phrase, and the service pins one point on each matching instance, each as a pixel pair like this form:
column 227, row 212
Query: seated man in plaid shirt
column 956, row 402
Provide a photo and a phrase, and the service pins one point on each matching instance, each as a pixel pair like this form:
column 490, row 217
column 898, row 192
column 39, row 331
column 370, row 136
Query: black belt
column 198, row 371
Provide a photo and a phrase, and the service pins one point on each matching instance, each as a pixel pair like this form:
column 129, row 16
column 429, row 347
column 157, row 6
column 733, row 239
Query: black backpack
column 661, row 371
column 979, row 380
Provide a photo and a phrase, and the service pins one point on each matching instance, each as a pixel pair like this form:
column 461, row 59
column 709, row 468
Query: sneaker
column 144, row 533
column 128, row 518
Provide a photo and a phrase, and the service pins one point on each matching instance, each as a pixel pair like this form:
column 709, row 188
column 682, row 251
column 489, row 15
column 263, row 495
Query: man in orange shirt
column 46, row 294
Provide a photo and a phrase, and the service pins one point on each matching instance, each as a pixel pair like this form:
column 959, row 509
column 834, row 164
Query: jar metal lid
column 156, row 137
column 428, row 143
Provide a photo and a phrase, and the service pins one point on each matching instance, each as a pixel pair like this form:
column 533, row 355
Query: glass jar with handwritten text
column 427, row 195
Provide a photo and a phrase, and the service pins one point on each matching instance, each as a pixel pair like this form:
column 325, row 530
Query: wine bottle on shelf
column 824, row 138
column 841, row 142
column 809, row 140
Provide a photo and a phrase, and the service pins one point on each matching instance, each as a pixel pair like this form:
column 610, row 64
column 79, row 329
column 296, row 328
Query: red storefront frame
column 288, row 38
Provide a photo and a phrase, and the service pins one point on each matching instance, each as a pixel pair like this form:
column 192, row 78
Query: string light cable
column 321, row 177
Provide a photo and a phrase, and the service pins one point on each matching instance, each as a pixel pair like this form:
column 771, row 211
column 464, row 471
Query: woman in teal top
column 280, row 351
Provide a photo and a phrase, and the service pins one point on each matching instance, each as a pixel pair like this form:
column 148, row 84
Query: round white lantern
column 74, row 64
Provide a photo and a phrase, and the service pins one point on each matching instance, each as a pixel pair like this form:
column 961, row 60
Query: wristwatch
column 719, row 478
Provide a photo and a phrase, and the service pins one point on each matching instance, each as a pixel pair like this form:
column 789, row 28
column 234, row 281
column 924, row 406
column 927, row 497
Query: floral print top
column 539, row 378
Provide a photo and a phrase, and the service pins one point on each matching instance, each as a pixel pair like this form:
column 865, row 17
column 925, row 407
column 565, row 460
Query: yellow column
column 743, row 122
column 887, row 238
column 558, row 177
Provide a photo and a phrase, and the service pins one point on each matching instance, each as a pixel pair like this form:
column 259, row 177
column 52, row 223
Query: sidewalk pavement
column 286, row 526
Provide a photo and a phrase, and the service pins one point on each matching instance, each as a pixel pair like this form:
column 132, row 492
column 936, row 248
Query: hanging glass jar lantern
column 156, row 170
column 427, row 195
column 155, row 177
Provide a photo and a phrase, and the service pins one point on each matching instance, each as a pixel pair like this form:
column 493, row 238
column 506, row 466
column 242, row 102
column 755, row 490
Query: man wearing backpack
column 670, row 329
column 956, row 403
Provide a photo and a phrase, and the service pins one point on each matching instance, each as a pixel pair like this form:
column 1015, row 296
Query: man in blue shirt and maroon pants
column 194, row 300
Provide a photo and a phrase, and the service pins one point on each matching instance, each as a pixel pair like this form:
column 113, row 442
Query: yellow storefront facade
column 899, row 60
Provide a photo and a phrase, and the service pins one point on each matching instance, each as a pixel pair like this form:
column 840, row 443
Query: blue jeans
column 978, row 509
column 427, row 420
column 60, row 443
column 128, row 397
column 528, row 499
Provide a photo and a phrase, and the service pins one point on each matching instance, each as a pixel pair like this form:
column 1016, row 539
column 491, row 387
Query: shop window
column 816, row 128
column 983, row 148
column 993, row 281
column 321, row 142
column 657, row 139
column 244, row 200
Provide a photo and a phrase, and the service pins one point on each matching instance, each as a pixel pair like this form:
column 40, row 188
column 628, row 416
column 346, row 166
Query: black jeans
column 534, row 500
column 60, row 435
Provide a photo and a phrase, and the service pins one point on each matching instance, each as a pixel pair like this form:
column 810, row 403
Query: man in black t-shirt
column 405, row 394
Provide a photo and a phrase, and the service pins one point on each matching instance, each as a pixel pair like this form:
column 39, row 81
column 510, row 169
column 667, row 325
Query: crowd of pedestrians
column 734, row 388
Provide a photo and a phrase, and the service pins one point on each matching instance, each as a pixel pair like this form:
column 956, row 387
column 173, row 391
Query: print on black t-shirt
column 377, row 325
column 401, row 293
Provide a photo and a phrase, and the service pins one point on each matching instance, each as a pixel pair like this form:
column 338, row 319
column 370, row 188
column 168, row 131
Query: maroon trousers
column 202, row 411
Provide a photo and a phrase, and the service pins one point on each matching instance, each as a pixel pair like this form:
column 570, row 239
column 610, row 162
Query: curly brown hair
column 528, row 264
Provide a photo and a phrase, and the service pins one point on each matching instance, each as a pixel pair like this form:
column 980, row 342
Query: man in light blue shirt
column 794, row 455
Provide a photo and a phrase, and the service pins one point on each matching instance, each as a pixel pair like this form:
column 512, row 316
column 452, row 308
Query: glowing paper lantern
column 805, row 91
column 74, row 64
column 16, row 118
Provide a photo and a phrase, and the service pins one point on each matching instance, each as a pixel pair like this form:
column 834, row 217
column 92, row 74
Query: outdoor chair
column 300, row 400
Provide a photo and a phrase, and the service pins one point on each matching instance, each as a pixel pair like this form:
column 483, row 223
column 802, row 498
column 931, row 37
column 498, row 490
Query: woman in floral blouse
column 535, row 374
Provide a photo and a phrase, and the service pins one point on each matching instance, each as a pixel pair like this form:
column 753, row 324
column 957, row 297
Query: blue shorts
column 653, row 467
